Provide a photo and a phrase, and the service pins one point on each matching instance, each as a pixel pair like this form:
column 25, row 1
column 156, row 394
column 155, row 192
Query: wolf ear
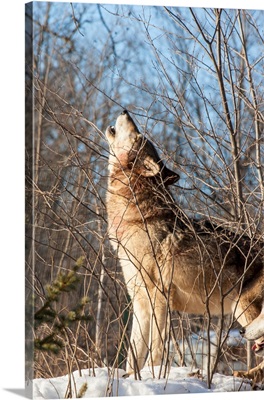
column 149, row 167
column 169, row 177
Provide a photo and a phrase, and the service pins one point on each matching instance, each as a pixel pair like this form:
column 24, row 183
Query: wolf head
column 131, row 150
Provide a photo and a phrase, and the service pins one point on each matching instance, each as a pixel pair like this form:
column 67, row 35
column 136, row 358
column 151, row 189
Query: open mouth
column 258, row 347
column 111, row 130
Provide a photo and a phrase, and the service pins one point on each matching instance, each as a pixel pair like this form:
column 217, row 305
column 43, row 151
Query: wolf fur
column 170, row 262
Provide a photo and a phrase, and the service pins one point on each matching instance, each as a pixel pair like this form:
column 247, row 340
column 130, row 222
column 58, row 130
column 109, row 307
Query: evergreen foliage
column 57, row 321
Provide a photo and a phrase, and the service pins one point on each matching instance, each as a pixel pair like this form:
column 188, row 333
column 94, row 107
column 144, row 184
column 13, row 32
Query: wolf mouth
column 112, row 130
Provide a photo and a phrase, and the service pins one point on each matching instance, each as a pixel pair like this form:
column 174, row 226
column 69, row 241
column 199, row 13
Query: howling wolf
column 170, row 262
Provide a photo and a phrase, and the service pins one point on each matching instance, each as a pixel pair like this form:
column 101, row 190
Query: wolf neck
column 128, row 191
column 131, row 199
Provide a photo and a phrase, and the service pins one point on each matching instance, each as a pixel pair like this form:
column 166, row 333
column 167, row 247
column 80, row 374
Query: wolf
column 169, row 261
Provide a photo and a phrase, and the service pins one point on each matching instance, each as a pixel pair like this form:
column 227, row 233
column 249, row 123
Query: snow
column 104, row 382
column 108, row 382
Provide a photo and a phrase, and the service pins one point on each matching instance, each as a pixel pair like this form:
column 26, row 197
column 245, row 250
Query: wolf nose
column 242, row 331
column 124, row 112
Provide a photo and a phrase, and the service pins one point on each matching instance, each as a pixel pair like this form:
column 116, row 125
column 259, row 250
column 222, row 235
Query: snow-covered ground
column 100, row 382
column 106, row 382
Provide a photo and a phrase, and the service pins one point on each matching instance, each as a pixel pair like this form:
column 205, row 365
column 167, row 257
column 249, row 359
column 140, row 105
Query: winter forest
column 193, row 80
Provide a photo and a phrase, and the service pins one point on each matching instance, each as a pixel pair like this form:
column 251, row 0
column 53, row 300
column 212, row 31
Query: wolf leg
column 140, row 334
column 158, row 328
